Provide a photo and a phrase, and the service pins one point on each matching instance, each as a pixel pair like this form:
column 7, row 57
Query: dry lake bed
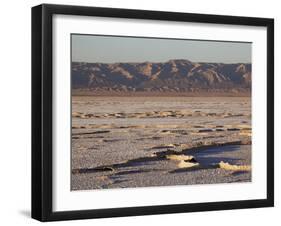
column 125, row 142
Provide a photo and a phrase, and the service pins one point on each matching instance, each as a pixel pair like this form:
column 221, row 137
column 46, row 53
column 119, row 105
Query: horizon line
column 157, row 62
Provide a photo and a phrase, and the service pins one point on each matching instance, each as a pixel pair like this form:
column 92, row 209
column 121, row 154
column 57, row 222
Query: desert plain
column 145, row 141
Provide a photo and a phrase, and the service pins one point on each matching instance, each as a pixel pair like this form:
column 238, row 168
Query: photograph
column 152, row 111
column 141, row 112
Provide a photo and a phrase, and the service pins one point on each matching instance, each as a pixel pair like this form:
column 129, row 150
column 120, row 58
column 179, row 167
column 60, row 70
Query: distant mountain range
column 171, row 76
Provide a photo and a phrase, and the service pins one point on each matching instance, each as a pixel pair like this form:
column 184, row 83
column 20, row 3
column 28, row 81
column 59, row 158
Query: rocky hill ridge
column 174, row 75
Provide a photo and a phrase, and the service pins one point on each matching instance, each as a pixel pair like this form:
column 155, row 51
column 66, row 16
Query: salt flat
column 120, row 142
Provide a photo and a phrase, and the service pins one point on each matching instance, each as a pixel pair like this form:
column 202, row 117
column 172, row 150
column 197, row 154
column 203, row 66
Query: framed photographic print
column 145, row 112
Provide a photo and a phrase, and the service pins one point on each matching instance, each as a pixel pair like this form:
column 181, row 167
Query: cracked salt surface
column 113, row 152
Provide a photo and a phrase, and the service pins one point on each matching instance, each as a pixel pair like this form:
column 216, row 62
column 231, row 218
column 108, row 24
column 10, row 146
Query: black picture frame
column 42, row 107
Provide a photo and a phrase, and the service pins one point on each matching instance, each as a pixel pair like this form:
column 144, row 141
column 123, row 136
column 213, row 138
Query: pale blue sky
column 112, row 49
